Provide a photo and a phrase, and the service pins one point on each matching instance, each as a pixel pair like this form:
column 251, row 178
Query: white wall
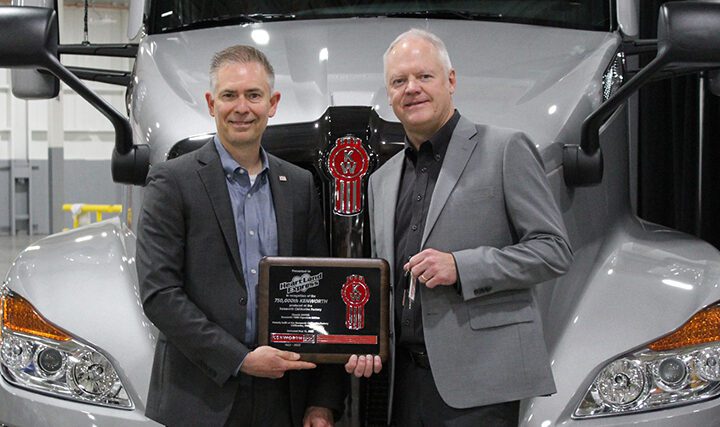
column 5, row 116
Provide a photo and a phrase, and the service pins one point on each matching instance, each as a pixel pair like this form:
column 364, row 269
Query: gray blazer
column 193, row 290
column 493, row 209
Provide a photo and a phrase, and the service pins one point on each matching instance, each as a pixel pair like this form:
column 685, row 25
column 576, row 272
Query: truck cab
column 630, row 329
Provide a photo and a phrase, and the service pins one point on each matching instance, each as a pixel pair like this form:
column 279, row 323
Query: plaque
column 325, row 309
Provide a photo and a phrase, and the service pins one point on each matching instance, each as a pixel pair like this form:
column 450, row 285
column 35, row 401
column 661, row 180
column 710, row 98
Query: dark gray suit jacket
column 193, row 290
column 493, row 209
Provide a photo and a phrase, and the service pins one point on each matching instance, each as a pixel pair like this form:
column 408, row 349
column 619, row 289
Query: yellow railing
column 81, row 212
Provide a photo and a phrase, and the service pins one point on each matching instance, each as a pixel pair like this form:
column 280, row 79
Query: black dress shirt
column 421, row 169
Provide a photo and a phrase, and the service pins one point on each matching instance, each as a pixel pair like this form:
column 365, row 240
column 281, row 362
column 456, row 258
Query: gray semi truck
column 632, row 329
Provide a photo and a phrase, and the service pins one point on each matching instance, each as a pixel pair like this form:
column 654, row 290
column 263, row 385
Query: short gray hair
column 431, row 38
column 240, row 54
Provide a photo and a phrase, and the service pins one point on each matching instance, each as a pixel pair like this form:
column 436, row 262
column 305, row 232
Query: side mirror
column 627, row 15
column 35, row 84
column 688, row 39
column 136, row 12
column 29, row 39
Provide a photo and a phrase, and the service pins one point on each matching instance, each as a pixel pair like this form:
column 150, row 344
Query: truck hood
column 536, row 79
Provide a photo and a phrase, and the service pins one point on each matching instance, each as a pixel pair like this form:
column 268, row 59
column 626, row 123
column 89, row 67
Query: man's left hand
column 434, row 268
column 315, row 416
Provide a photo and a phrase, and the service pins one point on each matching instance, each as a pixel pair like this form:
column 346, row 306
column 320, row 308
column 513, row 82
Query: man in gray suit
column 465, row 217
column 207, row 219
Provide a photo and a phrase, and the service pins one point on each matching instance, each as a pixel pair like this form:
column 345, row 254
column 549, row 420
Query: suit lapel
column 387, row 186
column 282, row 202
column 458, row 153
column 213, row 178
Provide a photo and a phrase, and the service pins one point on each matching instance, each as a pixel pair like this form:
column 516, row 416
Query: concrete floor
column 10, row 247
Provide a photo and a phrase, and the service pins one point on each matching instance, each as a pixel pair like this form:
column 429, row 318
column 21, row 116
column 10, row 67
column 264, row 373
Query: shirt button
column 249, row 196
column 252, row 233
column 419, row 197
column 423, row 170
column 414, row 227
column 229, row 176
column 241, row 301
column 406, row 322
column 253, row 271
column 437, row 157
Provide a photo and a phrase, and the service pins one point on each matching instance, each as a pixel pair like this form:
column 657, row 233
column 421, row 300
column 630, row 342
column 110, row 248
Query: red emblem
column 355, row 293
column 348, row 162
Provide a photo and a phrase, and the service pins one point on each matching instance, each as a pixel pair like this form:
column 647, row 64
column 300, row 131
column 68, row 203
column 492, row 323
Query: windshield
column 178, row 15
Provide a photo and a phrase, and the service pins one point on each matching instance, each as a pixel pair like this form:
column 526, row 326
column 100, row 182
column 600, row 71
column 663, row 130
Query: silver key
column 411, row 291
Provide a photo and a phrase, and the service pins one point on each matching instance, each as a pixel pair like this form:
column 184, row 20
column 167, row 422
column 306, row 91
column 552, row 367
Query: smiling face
column 419, row 88
column 241, row 102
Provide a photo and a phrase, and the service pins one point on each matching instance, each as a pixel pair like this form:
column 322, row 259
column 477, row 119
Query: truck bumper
column 697, row 414
column 21, row 408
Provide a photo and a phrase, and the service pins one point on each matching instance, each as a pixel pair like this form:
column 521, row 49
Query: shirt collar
column 439, row 141
column 230, row 165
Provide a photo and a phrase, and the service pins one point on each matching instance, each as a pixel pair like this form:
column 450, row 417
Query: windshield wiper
column 446, row 14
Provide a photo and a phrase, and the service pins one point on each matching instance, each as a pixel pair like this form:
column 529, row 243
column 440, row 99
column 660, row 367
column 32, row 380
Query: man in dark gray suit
column 465, row 217
column 207, row 219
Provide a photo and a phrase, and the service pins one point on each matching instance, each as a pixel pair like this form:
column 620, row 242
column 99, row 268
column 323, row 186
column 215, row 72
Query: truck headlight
column 679, row 369
column 39, row 356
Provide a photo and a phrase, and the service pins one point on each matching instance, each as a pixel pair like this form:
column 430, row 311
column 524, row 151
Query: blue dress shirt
column 255, row 225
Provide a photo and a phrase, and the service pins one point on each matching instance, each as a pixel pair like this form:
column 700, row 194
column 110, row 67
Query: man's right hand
column 269, row 362
column 363, row 366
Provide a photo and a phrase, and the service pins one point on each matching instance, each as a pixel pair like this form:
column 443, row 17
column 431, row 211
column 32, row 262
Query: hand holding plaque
column 326, row 309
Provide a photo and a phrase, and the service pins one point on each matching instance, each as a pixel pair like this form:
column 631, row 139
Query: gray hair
column 240, row 54
column 427, row 36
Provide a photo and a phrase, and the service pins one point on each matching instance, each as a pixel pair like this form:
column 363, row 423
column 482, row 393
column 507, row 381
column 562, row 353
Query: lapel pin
column 283, row 178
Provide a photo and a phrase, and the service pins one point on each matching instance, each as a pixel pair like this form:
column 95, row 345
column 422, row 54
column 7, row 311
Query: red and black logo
column 355, row 294
column 348, row 163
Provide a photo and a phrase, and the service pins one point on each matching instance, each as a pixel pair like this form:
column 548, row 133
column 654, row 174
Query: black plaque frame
column 318, row 297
